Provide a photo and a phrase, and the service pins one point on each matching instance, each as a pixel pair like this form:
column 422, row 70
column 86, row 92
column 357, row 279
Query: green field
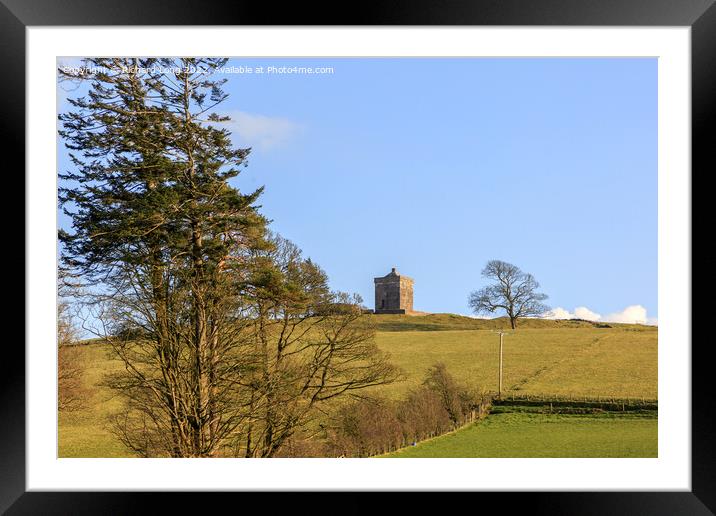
column 559, row 360
column 515, row 434
column 566, row 358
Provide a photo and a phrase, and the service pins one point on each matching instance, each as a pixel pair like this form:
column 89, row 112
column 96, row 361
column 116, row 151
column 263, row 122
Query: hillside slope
column 607, row 362
column 542, row 357
column 444, row 322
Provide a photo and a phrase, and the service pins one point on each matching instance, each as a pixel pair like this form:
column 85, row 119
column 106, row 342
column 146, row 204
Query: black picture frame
column 17, row 15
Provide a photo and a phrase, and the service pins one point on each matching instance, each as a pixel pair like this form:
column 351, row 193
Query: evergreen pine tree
column 155, row 223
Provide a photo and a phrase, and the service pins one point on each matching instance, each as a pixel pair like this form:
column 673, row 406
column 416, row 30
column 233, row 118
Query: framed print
column 437, row 250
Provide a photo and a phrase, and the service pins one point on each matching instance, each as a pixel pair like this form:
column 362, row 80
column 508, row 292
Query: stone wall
column 406, row 294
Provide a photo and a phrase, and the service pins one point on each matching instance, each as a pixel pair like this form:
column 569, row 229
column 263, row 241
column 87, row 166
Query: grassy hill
column 567, row 358
column 443, row 322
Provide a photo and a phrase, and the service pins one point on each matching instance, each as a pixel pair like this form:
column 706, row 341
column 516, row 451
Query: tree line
column 374, row 426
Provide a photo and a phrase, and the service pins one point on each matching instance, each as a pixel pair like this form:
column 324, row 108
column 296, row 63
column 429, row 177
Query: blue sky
column 436, row 166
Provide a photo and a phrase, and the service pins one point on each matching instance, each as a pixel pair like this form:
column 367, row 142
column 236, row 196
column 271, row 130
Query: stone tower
column 393, row 294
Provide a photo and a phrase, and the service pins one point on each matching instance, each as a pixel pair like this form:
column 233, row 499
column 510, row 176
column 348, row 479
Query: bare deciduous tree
column 69, row 370
column 181, row 400
column 515, row 292
column 310, row 346
column 71, row 394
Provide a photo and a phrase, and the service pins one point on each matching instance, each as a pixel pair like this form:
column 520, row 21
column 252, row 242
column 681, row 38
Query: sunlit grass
column 580, row 362
column 566, row 358
column 523, row 435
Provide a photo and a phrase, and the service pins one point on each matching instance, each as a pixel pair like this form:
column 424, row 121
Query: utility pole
column 499, row 389
column 499, row 384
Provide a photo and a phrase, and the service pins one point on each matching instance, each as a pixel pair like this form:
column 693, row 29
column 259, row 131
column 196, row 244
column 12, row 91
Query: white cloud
column 633, row 314
column 261, row 131
column 582, row 312
column 558, row 313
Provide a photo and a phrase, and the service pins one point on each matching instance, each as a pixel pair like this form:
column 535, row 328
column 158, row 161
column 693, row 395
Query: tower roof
column 393, row 274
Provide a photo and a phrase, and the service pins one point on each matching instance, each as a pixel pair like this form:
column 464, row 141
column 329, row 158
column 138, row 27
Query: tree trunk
column 201, row 346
